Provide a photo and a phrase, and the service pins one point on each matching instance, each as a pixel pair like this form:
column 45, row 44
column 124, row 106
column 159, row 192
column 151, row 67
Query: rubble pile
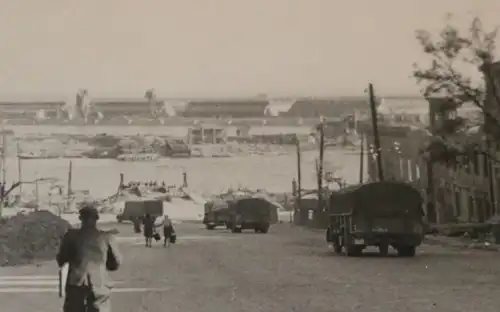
column 27, row 238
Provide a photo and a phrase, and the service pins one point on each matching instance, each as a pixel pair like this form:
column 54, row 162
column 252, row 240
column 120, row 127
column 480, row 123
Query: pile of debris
column 28, row 238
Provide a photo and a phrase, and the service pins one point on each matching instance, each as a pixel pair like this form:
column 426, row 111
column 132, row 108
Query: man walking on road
column 90, row 253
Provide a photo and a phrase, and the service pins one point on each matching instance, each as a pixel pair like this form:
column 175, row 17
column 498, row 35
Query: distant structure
column 25, row 112
column 326, row 107
column 82, row 105
column 226, row 108
column 154, row 109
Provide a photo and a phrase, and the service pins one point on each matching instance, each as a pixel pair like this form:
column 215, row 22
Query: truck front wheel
column 406, row 251
column 354, row 251
column 384, row 250
column 235, row 229
column 264, row 229
column 337, row 246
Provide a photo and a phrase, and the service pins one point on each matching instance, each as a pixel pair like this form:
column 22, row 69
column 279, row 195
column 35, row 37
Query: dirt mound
column 27, row 238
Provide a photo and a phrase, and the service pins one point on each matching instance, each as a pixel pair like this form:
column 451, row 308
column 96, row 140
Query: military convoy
column 253, row 213
column 380, row 214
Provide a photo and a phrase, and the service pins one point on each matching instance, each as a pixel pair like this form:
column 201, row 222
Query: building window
column 458, row 202
column 486, row 166
column 475, row 163
column 470, row 209
column 481, row 207
column 401, row 174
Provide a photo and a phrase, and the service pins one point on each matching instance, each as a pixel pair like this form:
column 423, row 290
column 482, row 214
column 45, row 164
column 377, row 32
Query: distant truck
column 378, row 214
column 137, row 209
column 216, row 214
column 251, row 213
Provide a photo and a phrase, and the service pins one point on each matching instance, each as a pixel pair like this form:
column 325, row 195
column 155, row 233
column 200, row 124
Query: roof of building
column 229, row 102
column 234, row 108
column 119, row 101
column 328, row 107
column 27, row 103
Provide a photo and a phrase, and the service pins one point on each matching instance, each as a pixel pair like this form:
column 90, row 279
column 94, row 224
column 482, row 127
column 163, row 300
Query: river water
column 205, row 175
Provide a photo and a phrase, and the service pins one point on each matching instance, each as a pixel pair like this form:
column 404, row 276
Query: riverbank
column 273, row 173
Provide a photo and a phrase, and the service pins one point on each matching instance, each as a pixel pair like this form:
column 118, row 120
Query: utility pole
column 4, row 169
column 299, row 173
column 70, row 186
column 362, row 160
column 19, row 169
column 37, row 193
column 376, row 137
column 320, row 164
column 70, row 179
column 4, row 151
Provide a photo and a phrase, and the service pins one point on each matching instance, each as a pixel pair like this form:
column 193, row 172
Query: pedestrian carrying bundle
column 173, row 238
column 156, row 236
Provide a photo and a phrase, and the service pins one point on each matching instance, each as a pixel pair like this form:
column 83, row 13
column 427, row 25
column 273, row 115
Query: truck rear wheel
column 236, row 230
column 210, row 226
column 384, row 250
column 337, row 247
column 354, row 251
column 406, row 251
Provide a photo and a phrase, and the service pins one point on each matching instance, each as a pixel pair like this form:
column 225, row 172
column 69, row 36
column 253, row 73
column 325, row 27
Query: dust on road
column 288, row 269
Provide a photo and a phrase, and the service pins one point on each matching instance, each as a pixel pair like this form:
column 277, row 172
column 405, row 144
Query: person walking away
column 168, row 230
column 149, row 226
column 90, row 253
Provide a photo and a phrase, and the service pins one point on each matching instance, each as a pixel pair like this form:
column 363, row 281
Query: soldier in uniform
column 90, row 253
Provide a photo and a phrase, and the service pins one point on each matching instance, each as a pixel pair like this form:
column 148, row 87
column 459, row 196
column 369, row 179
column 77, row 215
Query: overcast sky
column 217, row 47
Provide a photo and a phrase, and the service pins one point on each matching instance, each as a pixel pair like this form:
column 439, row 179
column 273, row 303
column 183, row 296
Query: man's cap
column 88, row 211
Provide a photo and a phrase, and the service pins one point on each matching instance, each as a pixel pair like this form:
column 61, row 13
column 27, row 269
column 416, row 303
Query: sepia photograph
column 249, row 155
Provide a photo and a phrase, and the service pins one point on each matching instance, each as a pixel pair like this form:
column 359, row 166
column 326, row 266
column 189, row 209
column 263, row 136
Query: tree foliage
column 454, row 58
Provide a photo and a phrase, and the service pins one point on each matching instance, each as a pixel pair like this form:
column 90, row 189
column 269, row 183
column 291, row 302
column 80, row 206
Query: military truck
column 380, row 214
column 136, row 209
column 216, row 214
column 251, row 213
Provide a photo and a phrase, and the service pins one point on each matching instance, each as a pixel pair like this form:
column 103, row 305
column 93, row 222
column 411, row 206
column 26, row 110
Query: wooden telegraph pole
column 320, row 164
column 19, row 169
column 362, row 160
column 376, row 137
column 4, row 170
column 299, row 173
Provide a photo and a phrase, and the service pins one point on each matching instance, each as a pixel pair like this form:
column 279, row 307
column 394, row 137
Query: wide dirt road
column 288, row 269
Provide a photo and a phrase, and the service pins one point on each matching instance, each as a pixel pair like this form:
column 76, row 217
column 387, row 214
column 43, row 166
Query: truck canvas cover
column 140, row 207
column 381, row 199
column 256, row 208
column 216, row 205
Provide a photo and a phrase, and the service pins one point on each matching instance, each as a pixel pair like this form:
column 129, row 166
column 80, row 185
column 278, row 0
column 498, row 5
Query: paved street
column 288, row 269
